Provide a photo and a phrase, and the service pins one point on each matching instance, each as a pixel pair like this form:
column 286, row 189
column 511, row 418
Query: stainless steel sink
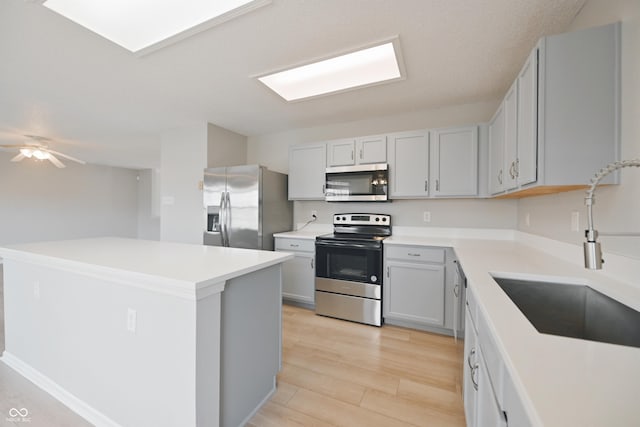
column 575, row 311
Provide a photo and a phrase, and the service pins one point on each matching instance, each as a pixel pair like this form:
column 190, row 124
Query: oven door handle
column 353, row 245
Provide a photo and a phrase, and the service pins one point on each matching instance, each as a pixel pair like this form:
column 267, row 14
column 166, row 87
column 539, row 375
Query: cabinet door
column 415, row 292
column 488, row 413
column 341, row 153
column 298, row 276
column 469, row 369
column 454, row 161
column 527, row 161
column 371, row 150
column 511, row 138
column 307, row 164
column 496, row 152
column 409, row 165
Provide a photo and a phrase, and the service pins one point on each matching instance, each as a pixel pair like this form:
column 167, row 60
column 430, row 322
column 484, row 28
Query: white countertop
column 562, row 381
column 189, row 267
column 302, row 234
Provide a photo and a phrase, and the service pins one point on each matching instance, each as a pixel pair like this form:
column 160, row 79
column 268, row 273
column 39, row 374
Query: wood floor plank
column 339, row 413
column 284, row 392
column 275, row 415
column 345, row 391
column 435, row 397
column 410, row 411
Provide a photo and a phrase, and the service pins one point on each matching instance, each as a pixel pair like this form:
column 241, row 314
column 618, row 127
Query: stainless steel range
column 349, row 268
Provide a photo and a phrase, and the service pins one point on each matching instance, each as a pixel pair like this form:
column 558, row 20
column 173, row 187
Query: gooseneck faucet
column 592, row 250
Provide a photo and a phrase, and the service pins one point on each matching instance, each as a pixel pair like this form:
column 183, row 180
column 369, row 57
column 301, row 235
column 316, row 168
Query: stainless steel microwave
column 361, row 183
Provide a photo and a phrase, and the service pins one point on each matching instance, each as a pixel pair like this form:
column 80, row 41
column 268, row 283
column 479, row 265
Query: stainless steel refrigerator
column 245, row 206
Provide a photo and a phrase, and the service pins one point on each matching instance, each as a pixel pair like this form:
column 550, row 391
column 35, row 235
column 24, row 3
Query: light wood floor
column 338, row 373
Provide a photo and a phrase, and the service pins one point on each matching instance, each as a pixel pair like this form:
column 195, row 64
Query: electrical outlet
column 426, row 216
column 314, row 214
column 36, row 289
column 131, row 320
column 575, row 221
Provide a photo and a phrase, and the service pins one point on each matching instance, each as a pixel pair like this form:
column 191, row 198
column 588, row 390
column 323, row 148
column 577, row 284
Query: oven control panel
column 361, row 219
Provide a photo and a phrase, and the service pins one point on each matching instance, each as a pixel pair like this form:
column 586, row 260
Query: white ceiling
column 108, row 106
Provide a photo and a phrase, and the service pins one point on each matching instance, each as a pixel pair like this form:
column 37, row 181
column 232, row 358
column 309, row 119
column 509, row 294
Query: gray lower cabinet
column 490, row 398
column 298, row 274
column 419, row 290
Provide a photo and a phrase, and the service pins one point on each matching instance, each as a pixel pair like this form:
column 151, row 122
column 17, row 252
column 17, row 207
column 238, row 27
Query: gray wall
column 182, row 161
column 148, row 204
column 617, row 208
column 41, row 202
column 225, row 148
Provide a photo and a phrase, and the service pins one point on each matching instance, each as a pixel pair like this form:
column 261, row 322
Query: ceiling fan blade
column 82, row 162
column 19, row 157
column 11, row 146
column 53, row 159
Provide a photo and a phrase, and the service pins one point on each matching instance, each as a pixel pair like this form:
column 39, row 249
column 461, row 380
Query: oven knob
column 344, row 218
column 384, row 219
column 374, row 279
column 377, row 219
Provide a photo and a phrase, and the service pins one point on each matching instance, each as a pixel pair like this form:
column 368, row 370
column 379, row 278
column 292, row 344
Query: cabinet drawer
column 492, row 357
column 416, row 253
column 303, row 245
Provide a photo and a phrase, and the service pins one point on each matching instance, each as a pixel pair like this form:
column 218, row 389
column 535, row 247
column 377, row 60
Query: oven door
column 357, row 183
column 349, row 261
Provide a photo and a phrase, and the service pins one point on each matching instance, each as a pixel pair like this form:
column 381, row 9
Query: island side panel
column 208, row 360
column 250, row 344
column 68, row 333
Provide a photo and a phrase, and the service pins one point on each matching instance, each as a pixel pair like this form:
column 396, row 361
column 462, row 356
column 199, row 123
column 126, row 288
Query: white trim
column 45, row 383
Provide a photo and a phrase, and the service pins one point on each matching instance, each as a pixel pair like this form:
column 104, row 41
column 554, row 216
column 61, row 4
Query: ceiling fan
column 38, row 148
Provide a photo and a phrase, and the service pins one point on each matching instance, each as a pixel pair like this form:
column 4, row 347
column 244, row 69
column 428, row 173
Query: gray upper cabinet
column 496, row 152
column 360, row 151
column 560, row 120
column 372, row 149
column 341, row 152
column 454, row 162
column 408, row 155
column 307, row 165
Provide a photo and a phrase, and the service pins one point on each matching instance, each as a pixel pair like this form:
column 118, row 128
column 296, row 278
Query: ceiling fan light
column 40, row 155
column 27, row 152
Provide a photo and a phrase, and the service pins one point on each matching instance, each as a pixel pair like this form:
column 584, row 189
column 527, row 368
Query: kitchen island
column 145, row 333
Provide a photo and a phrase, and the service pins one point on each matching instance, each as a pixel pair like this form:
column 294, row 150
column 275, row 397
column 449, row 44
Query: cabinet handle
column 472, row 353
column 437, row 185
column 387, row 272
column 412, row 254
column 426, row 185
column 293, row 246
column 352, row 155
column 456, row 290
column 473, row 380
column 500, row 177
column 361, row 154
column 312, row 260
column 323, row 189
column 512, row 170
column 516, row 169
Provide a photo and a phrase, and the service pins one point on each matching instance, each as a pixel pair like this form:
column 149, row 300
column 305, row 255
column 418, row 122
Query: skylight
column 364, row 67
column 139, row 25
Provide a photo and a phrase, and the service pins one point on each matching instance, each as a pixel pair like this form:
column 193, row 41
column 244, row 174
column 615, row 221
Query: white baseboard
column 45, row 383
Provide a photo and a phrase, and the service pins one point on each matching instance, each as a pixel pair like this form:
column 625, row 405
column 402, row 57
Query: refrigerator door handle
column 227, row 217
column 223, row 220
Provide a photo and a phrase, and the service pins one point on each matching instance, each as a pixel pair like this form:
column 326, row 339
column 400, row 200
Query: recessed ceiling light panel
column 357, row 69
column 142, row 24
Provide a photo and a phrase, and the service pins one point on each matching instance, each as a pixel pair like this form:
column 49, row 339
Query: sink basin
column 575, row 311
